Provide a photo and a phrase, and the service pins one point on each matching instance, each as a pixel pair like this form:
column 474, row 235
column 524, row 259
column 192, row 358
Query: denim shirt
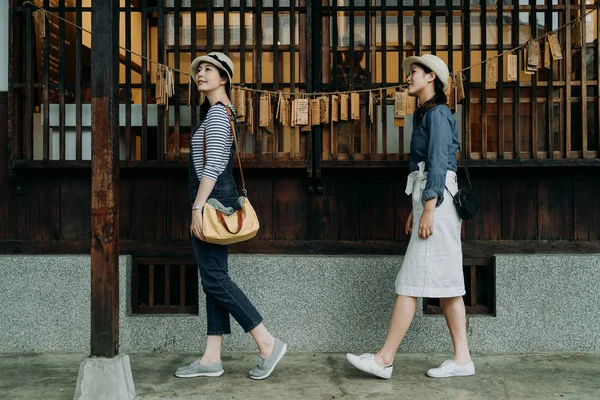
column 435, row 141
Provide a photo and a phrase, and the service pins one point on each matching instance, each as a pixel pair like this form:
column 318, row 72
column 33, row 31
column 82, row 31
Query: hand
column 409, row 222
column 426, row 224
column 196, row 225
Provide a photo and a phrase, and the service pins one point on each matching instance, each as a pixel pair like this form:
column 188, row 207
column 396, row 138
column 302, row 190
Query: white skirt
column 433, row 267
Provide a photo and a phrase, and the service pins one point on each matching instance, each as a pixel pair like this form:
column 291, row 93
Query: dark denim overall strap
column 225, row 189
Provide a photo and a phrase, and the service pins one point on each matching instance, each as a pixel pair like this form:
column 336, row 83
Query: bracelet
column 197, row 207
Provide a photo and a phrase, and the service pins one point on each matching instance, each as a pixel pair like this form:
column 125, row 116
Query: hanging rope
column 48, row 14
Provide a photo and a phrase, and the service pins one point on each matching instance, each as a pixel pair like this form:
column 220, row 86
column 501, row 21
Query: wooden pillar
column 105, row 179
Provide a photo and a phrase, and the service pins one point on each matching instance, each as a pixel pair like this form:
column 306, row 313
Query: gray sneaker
column 196, row 369
column 264, row 366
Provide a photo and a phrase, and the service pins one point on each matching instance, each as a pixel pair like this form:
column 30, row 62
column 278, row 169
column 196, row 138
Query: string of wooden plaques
column 310, row 109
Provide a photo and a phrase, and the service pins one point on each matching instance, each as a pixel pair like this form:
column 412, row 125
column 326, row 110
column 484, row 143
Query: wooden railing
column 550, row 117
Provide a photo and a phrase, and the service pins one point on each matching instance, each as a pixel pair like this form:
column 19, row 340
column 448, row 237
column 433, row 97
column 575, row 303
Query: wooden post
column 105, row 179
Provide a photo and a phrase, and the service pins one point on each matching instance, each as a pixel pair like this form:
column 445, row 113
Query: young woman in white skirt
column 433, row 262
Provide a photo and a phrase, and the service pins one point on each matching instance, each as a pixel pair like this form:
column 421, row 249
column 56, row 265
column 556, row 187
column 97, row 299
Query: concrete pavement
column 318, row 376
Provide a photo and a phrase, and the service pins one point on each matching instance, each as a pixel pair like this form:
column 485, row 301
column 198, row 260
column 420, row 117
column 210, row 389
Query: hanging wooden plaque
column 400, row 104
column 302, row 111
column 533, row 54
column 355, row 105
column 460, row 88
column 265, row 110
column 512, row 70
column 324, row 109
column 335, row 108
column 555, row 47
column 344, row 107
column 315, row 112
column 491, row 77
column 411, row 104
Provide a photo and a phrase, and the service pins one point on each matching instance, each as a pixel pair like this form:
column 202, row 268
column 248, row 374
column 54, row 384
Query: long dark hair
column 438, row 98
column 205, row 106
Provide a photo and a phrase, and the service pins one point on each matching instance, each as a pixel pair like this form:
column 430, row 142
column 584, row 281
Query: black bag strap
column 464, row 164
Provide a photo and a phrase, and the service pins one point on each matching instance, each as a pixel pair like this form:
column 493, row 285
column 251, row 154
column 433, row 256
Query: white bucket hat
column 434, row 63
column 217, row 59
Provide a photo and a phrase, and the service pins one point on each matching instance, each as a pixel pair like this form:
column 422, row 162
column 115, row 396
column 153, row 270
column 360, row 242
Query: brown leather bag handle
column 224, row 223
column 237, row 150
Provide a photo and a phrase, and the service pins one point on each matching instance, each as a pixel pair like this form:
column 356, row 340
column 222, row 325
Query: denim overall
column 223, row 296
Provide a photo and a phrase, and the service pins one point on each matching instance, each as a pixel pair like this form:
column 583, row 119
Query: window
column 164, row 286
column 480, row 286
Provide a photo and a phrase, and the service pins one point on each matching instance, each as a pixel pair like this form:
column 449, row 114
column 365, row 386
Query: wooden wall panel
column 75, row 205
column 519, row 207
column 148, row 205
column 289, row 208
column 376, row 207
column 486, row 224
column 4, row 179
column 403, row 207
column 35, row 213
column 555, row 206
column 178, row 208
column 124, row 206
column 260, row 194
column 586, row 206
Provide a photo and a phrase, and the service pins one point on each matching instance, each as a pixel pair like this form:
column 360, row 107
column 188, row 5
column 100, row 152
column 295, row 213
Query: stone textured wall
column 544, row 303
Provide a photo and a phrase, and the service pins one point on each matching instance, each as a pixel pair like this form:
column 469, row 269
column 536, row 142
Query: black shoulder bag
column 465, row 200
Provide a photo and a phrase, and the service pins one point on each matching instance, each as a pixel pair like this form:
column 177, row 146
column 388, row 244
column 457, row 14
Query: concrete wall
column 3, row 45
column 315, row 303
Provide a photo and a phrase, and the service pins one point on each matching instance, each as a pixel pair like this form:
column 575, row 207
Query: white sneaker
column 448, row 369
column 366, row 363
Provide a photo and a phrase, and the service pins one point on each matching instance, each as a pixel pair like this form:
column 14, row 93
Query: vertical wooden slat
column 550, row 88
column 276, row 62
column 162, row 112
column 597, row 127
column 78, row 78
column 584, row 116
column 374, row 142
column 500, row 95
column 534, row 108
column 242, row 76
column 473, row 286
column 294, row 132
column 192, row 88
column 46, row 106
column 151, row 285
column 129, row 137
column 182, row 287
column 167, row 285
column 61, row 77
column 135, row 273
column 258, row 65
column 29, row 79
column 484, row 121
column 401, row 75
column 144, row 147
column 176, row 103
column 568, row 82
column 517, row 85
column 466, row 142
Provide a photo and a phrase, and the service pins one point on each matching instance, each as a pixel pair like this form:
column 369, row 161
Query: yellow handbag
column 243, row 224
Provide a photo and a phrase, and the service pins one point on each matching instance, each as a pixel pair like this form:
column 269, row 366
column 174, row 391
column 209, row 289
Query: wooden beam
column 183, row 248
column 105, row 179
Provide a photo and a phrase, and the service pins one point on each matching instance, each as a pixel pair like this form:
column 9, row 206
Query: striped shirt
column 218, row 143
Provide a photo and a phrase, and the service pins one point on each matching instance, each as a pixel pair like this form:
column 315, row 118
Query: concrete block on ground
column 105, row 379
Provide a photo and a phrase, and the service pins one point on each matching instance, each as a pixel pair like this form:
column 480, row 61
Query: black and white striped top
column 218, row 143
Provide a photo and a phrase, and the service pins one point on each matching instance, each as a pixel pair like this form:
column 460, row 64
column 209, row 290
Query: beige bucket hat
column 217, row 59
column 434, row 63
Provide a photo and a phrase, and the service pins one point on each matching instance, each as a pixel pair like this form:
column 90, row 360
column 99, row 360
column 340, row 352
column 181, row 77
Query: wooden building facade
column 338, row 188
